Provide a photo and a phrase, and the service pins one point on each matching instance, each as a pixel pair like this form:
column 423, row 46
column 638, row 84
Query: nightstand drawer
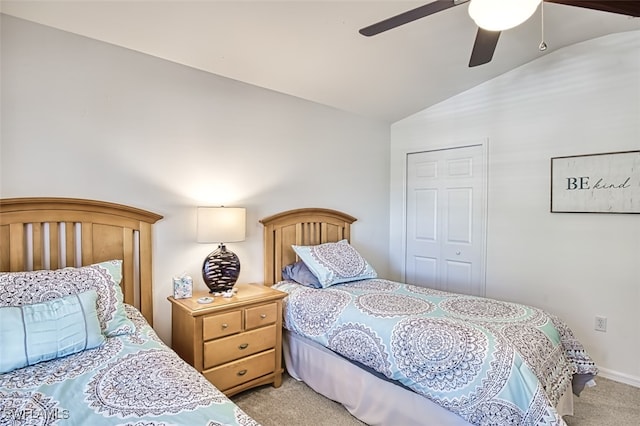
column 221, row 325
column 227, row 349
column 235, row 373
column 261, row 315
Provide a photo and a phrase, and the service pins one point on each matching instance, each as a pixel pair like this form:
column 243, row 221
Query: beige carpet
column 608, row 403
column 295, row 404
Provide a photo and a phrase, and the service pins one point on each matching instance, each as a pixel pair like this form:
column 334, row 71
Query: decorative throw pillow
column 25, row 288
column 30, row 334
column 300, row 273
column 334, row 263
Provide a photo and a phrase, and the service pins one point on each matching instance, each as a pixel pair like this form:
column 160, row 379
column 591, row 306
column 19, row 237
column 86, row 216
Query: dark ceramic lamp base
column 220, row 270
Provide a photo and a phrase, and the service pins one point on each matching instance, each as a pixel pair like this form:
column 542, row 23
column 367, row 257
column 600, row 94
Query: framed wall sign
column 596, row 183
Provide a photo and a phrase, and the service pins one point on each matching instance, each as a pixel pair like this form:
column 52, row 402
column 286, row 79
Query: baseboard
column 619, row 377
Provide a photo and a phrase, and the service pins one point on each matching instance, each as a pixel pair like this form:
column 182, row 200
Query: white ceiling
column 312, row 49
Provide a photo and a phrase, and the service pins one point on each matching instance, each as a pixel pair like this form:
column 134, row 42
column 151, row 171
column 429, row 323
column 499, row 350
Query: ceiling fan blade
column 628, row 7
column 483, row 47
column 409, row 16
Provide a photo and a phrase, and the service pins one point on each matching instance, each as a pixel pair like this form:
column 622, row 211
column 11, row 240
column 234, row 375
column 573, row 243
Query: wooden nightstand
column 236, row 343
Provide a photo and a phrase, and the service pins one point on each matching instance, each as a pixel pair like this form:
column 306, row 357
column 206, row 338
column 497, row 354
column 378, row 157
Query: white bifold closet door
column 445, row 219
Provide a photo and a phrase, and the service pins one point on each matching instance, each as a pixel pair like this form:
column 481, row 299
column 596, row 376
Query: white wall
column 583, row 99
column 86, row 119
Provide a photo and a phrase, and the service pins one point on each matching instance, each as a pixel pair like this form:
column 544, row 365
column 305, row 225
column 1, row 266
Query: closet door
column 445, row 220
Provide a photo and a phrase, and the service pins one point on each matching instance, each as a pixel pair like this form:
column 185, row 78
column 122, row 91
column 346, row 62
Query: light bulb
column 499, row 15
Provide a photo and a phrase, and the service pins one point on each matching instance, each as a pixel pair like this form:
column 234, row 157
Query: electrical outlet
column 601, row 323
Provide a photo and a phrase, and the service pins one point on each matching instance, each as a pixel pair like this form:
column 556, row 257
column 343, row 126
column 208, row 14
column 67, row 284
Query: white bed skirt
column 371, row 399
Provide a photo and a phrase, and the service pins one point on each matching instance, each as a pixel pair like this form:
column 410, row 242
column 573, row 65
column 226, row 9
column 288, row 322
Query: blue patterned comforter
column 130, row 380
column 491, row 362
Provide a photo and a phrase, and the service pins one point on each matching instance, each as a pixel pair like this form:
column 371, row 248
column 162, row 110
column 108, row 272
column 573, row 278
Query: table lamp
column 221, row 225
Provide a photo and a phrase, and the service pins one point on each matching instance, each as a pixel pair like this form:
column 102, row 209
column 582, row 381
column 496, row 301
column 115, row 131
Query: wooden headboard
column 309, row 226
column 52, row 233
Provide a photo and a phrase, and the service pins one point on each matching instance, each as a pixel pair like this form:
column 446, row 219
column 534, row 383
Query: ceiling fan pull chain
column 542, row 46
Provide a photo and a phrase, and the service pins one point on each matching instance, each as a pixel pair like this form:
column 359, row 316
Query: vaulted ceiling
column 312, row 49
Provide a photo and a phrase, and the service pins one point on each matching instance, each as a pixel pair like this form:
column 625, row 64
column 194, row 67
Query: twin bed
column 76, row 343
column 396, row 354
column 392, row 354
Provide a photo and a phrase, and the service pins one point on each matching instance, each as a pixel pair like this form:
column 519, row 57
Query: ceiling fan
column 486, row 39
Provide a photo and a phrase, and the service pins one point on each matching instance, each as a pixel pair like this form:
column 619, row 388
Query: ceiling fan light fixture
column 500, row 15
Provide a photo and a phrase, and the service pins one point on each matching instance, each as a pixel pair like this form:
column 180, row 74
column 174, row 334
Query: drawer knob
column 263, row 316
column 242, row 372
column 225, row 325
column 243, row 346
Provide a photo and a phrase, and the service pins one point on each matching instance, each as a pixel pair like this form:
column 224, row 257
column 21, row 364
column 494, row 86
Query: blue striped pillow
column 30, row 334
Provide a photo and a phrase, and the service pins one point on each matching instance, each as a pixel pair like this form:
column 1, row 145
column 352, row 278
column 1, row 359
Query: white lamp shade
column 499, row 15
column 221, row 224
